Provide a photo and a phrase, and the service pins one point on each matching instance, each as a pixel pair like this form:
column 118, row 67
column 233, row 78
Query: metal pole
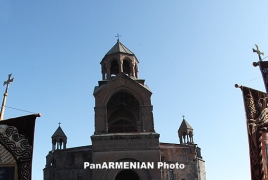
column 7, row 82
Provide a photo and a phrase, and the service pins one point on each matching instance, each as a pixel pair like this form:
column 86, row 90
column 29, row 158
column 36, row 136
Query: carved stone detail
column 125, row 142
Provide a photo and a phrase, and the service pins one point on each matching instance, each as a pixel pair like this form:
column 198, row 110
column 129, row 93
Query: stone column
column 146, row 116
column 108, row 66
column 103, row 71
column 136, row 73
column 120, row 66
column 100, row 120
column 132, row 70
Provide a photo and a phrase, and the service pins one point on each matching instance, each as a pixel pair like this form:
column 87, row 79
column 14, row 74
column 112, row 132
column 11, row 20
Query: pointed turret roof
column 185, row 125
column 59, row 133
column 185, row 133
column 119, row 48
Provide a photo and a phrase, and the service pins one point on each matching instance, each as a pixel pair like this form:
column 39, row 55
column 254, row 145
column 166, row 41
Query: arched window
column 114, row 68
column 122, row 113
column 126, row 67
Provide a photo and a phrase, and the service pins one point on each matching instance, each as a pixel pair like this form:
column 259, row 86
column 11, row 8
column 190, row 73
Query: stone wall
column 68, row 164
column 202, row 169
column 181, row 154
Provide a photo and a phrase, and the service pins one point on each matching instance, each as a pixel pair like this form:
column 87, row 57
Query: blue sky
column 191, row 54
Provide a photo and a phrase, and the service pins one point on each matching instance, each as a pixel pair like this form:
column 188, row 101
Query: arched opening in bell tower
column 104, row 72
column 114, row 68
column 122, row 113
column 127, row 175
column 126, row 67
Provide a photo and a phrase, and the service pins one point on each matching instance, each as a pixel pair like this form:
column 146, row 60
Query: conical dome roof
column 119, row 48
column 59, row 133
column 185, row 125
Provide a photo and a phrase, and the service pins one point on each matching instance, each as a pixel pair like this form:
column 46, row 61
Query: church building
column 125, row 134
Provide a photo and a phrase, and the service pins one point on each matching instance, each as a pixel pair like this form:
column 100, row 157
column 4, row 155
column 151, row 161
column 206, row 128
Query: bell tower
column 124, row 124
column 122, row 101
column 119, row 60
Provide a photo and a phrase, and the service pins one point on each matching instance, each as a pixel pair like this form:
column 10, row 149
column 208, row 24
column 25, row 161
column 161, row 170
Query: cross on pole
column 117, row 37
column 7, row 82
column 59, row 123
column 258, row 51
column 183, row 116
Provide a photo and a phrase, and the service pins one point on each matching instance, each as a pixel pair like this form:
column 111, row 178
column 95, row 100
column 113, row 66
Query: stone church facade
column 124, row 132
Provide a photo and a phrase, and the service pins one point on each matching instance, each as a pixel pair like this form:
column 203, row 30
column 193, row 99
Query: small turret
column 185, row 133
column 58, row 139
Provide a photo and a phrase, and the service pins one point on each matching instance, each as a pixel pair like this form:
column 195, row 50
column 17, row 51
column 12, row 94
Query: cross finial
column 59, row 123
column 9, row 80
column 117, row 36
column 258, row 51
column 183, row 116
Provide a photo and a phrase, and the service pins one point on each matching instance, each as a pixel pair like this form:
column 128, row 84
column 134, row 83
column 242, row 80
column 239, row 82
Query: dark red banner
column 255, row 103
column 264, row 70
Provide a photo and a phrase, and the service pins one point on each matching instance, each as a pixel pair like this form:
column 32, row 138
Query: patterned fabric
column 16, row 137
column 257, row 120
column 264, row 70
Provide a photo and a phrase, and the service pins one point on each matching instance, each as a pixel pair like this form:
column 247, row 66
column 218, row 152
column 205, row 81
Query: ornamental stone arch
column 132, row 92
column 104, row 91
column 112, row 58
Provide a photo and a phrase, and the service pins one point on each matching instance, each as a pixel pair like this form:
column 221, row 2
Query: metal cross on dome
column 118, row 36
